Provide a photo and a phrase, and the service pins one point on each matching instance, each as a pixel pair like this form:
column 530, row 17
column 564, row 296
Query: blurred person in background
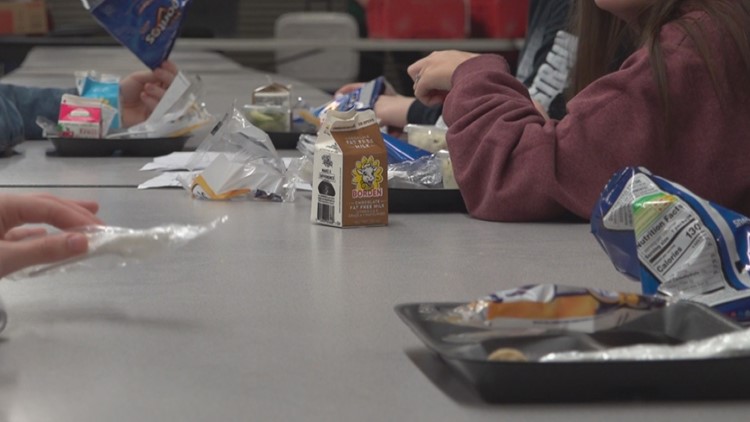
column 373, row 63
column 140, row 92
column 547, row 47
column 677, row 105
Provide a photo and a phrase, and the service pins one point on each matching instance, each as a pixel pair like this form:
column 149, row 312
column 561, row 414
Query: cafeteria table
column 35, row 164
column 270, row 317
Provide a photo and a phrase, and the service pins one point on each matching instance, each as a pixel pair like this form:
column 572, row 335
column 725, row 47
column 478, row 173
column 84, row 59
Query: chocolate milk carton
column 350, row 171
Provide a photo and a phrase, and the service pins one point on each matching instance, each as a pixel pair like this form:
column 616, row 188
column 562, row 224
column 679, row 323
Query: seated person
column 677, row 105
column 543, row 66
column 20, row 105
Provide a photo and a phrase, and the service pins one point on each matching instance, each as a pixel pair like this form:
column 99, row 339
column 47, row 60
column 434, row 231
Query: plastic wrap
column 244, row 164
column 424, row 172
column 720, row 346
column 180, row 112
column 112, row 247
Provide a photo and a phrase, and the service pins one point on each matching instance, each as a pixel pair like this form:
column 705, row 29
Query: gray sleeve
column 19, row 108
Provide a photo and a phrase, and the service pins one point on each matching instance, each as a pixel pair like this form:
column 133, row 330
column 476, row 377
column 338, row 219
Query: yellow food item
column 561, row 307
column 507, row 354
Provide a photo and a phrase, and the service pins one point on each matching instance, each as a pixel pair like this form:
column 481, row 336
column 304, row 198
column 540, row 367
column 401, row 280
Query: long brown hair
column 604, row 38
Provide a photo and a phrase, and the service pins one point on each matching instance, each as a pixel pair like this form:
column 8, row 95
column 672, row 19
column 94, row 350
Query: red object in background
column 499, row 18
column 417, row 18
column 23, row 17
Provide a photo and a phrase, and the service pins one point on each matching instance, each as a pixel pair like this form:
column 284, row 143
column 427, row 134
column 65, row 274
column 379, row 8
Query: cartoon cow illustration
column 368, row 174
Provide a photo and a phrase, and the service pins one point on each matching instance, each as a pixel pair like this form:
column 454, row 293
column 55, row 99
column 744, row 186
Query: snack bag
column 675, row 243
column 148, row 28
column 364, row 97
column 553, row 307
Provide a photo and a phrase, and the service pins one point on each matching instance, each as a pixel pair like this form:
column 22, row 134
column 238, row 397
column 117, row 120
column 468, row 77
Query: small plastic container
column 428, row 138
column 449, row 180
column 269, row 118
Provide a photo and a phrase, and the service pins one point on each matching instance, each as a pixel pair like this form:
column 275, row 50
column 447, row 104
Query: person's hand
column 141, row 91
column 393, row 109
column 22, row 246
column 432, row 75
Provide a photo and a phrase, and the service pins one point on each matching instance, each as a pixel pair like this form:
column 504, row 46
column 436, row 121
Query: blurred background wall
column 207, row 18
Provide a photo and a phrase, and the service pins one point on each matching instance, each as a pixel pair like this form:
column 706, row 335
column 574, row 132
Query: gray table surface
column 270, row 317
column 118, row 59
column 224, row 80
column 33, row 166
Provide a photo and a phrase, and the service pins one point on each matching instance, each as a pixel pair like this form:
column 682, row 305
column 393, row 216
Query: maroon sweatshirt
column 511, row 165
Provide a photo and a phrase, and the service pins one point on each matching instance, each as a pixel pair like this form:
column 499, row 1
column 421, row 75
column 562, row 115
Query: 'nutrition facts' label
column 675, row 246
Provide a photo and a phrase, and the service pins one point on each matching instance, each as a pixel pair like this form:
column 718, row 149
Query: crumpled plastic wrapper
column 112, row 247
column 721, row 346
column 245, row 164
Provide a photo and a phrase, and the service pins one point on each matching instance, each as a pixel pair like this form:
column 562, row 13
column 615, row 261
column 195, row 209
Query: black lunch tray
column 286, row 140
column 534, row 381
column 142, row 147
column 405, row 200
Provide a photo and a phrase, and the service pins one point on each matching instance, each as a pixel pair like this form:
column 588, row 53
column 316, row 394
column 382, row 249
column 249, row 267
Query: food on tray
column 553, row 306
column 507, row 354
column 429, row 138
column 269, row 118
column 449, row 180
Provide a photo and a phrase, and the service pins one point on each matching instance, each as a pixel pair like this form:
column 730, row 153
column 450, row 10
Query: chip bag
column 148, row 28
column 676, row 243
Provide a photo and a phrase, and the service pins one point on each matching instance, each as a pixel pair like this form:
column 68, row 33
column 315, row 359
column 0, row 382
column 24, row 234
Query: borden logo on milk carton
column 350, row 171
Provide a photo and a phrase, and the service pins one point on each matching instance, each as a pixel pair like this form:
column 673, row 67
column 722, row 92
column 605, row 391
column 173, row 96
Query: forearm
column 22, row 105
column 502, row 149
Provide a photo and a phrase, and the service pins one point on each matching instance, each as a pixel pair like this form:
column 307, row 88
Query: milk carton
column 350, row 171
column 84, row 117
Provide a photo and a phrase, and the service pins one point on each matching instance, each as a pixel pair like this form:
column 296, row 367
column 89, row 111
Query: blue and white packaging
column 105, row 87
column 359, row 99
column 148, row 28
column 676, row 243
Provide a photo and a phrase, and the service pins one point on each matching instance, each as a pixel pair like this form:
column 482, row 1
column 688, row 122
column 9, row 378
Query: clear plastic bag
column 720, row 346
column 424, row 172
column 113, row 247
column 244, row 164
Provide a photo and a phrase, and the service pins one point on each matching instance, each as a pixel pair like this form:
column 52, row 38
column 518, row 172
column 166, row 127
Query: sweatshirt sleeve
column 512, row 165
column 19, row 108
